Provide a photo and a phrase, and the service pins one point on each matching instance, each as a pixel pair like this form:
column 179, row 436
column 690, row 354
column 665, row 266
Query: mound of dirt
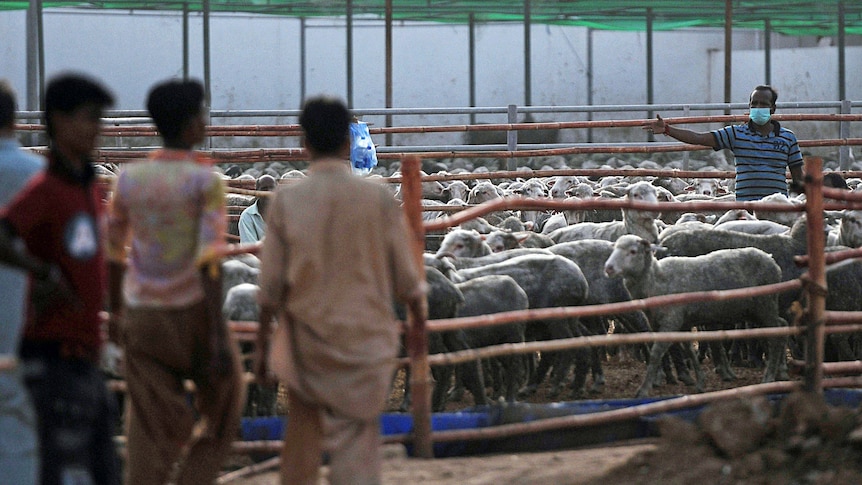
column 800, row 439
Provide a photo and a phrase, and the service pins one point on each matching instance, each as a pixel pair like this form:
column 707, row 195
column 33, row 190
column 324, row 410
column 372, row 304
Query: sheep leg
column 678, row 356
column 776, row 358
column 665, row 372
column 720, row 361
column 515, row 374
column 598, row 373
column 656, row 353
column 442, row 380
column 698, row 371
column 470, row 373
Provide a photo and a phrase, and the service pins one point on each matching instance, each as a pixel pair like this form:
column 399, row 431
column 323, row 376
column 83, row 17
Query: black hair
column 326, row 122
column 265, row 178
column 68, row 92
column 173, row 103
column 7, row 105
column 766, row 87
column 835, row 180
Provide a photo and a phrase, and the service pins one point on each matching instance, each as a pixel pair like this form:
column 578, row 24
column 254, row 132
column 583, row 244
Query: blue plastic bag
column 363, row 155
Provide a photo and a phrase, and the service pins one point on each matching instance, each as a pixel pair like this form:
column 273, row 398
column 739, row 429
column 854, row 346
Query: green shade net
column 789, row 17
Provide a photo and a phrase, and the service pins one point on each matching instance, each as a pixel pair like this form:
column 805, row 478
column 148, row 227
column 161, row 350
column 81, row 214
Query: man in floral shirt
column 170, row 210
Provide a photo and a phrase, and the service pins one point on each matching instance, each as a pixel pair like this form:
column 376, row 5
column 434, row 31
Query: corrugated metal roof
column 790, row 17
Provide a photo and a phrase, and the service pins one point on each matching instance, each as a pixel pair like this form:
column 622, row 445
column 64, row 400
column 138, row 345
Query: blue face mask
column 759, row 115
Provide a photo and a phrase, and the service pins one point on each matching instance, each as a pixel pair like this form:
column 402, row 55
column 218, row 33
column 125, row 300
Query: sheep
column 590, row 256
column 479, row 224
column 843, row 280
column 735, row 215
column 457, row 263
column 782, row 247
column 513, row 224
column 685, row 225
column 849, row 231
column 241, row 304
column 235, row 272
column 709, row 187
column 753, row 227
column 641, row 223
column 461, row 243
column 531, row 189
column 674, row 185
column 561, row 184
column 485, row 192
column 645, row 276
column 494, row 294
column 786, row 218
column 549, row 281
column 444, row 301
column 456, row 189
column 562, row 218
column 502, row 240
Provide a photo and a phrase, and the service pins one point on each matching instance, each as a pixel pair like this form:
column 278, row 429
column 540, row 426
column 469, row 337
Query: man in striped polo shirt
column 762, row 149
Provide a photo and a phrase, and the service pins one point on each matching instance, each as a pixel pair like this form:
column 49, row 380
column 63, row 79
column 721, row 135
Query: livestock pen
column 422, row 437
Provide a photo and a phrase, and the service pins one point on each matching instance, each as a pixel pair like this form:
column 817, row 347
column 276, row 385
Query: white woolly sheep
column 645, row 276
column 641, row 223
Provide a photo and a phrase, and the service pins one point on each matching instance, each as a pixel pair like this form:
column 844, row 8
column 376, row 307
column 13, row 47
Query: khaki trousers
column 163, row 347
column 353, row 446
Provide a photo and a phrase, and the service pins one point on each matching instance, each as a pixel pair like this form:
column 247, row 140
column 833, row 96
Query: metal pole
column 34, row 11
column 528, row 96
column 302, row 60
column 767, row 49
column 40, row 32
column 472, row 67
column 512, row 135
column 388, row 68
column 844, row 133
column 589, row 80
column 417, row 335
column 185, row 40
column 816, row 290
column 842, row 77
column 350, row 54
column 686, row 112
column 728, row 48
column 207, row 73
column 649, row 68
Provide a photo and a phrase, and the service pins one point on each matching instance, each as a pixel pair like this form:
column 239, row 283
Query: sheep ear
column 522, row 237
column 657, row 248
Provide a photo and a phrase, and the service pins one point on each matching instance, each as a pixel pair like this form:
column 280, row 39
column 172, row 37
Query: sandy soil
column 683, row 455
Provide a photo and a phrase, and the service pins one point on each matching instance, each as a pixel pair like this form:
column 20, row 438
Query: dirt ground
column 801, row 441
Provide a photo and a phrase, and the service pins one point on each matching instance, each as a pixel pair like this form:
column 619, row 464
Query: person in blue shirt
column 19, row 456
column 763, row 150
column 252, row 225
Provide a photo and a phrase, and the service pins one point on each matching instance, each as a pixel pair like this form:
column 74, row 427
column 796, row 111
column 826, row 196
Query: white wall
column 255, row 63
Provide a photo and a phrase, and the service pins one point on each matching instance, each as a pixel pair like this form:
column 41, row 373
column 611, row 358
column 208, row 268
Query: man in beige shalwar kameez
column 335, row 258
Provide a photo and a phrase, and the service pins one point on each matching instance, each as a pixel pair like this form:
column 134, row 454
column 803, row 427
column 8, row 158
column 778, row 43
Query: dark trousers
column 76, row 417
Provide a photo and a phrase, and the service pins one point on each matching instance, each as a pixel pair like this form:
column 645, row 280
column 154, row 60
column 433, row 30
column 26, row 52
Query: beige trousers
column 353, row 446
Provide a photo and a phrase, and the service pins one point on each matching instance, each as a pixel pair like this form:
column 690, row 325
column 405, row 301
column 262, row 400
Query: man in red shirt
column 51, row 229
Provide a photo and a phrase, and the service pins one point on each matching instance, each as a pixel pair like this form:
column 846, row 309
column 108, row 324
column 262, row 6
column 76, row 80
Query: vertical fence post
column 844, row 134
column 815, row 289
column 417, row 336
column 512, row 136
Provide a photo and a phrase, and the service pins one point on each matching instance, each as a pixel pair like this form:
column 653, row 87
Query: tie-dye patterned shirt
column 168, row 218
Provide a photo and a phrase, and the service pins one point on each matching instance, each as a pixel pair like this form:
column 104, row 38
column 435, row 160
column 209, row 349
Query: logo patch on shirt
column 82, row 241
column 780, row 146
